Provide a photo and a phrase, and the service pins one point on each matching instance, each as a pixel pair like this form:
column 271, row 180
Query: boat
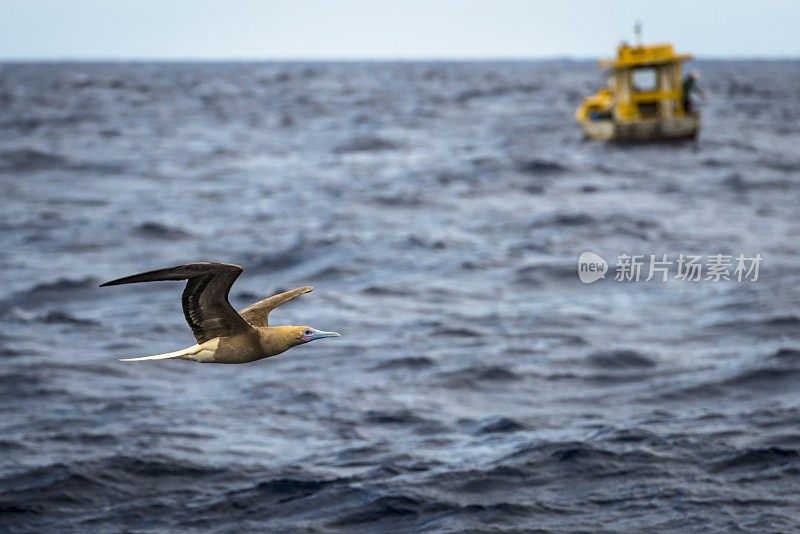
column 644, row 100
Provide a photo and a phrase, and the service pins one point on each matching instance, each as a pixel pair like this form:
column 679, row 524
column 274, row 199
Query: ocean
column 439, row 209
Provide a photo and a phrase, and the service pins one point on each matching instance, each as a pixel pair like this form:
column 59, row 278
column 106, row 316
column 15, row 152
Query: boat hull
column 641, row 130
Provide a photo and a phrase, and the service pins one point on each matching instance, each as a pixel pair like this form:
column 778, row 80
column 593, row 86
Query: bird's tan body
column 224, row 335
column 262, row 342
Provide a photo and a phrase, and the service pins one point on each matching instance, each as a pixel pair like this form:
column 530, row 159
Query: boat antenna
column 637, row 30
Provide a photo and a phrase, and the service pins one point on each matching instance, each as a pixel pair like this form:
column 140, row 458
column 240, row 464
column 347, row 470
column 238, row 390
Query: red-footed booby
column 223, row 335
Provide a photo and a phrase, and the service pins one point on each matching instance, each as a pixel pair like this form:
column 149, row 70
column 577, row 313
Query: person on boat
column 689, row 87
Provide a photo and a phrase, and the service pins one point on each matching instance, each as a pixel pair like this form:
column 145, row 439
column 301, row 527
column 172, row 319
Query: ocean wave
column 26, row 159
column 477, row 377
column 411, row 362
column 620, row 359
column 156, row 230
column 761, row 459
column 541, row 166
column 365, row 144
column 59, row 290
column 500, row 425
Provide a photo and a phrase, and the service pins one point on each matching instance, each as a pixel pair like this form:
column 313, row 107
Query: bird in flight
column 223, row 335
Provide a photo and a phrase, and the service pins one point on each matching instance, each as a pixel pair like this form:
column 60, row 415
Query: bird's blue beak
column 319, row 334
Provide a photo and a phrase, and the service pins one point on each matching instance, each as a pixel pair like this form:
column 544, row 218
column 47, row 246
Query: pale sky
column 415, row 29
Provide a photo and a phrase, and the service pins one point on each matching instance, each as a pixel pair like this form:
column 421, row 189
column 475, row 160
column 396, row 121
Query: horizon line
column 354, row 59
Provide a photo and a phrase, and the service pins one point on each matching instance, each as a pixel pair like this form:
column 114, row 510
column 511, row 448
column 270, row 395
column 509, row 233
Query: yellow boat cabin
column 644, row 100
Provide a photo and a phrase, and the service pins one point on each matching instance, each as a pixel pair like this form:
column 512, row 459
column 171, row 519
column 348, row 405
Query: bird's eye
column 307, row 333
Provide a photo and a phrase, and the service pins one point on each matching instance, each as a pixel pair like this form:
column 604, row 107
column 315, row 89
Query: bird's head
column 277, row 339
column 304, row 334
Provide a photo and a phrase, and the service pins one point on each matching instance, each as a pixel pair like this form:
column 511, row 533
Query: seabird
column 223, row 335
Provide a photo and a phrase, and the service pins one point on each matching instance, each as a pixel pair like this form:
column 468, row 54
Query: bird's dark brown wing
column 205, row 298
column 258, row 314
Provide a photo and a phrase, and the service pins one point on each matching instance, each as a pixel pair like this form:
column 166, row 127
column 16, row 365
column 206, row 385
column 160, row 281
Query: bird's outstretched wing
column 205, row 298
column 258, row 314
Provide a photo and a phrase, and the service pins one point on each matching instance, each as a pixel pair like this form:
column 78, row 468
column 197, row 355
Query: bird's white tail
column 185, row 354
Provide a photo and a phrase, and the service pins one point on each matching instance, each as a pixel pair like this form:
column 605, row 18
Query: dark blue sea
column 439, row 209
